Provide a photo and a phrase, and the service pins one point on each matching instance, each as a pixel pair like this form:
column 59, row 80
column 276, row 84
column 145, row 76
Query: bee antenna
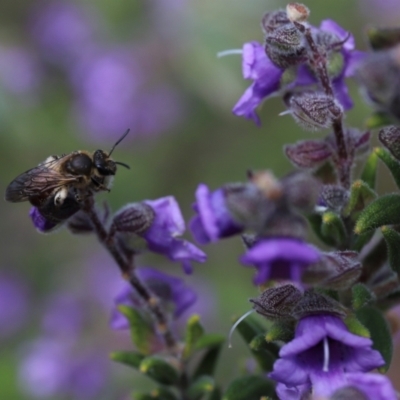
column 123, row 164
column 118, row 142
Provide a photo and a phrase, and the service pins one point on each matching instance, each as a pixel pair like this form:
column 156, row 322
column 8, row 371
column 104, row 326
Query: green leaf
column 194, row 331
column 315, row 221
column 130, row 358
column 361, row 296
column 378, row 120
column 378, row 327
column 368, row 174
column 212, row 344
column 203, row 385
column 249, row 328
column 159, row 393
column 159, row 369
column 383, row 211
column 251, row 387
column 283, row 331
column 360, row 195
column 265, row 353
column 355, row 326
column 141, row 332
column 359, row 241
column 391, row 163
column 332, row 227
column 215, row 395
column 392, row 239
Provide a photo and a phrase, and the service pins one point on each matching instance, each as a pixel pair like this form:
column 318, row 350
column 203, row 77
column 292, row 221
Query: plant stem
column 107, row 239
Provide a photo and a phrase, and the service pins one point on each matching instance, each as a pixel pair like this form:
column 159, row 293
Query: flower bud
column 297, row 12
column 314, row 111
column 276, row 303
column 134, row 218
column 273, row 20
column 308, row 154
column 334, row 197
column 390, row 138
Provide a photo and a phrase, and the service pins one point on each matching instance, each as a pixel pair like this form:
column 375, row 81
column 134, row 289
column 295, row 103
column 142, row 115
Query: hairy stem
column 107, row 239
column 320, row 68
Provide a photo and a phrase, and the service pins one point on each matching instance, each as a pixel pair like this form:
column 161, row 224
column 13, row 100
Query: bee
column 58, row 185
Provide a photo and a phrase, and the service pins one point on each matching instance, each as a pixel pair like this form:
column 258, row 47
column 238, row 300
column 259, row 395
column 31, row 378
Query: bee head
column 103, row 163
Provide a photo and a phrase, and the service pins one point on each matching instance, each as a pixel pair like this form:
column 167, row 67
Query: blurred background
column 77, row 74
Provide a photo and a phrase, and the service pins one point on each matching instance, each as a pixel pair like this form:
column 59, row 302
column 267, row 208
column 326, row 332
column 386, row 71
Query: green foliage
column 251, row 387
column 264, row 352
column 368, row 174
column 355, row 326
column 159, row 369
column 208, row 362
column 200, row 387
column 194, row 331
column 130, row 358
column 332, row 227
column 392, row 238
column 361, row 296
column 375, row 322
column 315, row 221
column 360, row 195
column 141, row 331
column 392, row 164
column 383, row 211
column 378, row 120
column 156, row 394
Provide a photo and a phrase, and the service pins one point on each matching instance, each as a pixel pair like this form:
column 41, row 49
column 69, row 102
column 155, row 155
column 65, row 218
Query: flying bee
column 58, row 185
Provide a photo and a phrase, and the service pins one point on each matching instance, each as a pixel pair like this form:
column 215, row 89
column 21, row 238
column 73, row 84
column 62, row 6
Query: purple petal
column 331, row 26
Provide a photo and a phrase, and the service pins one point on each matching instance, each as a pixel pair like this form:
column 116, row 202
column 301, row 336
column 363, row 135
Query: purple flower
column 267, row 77
column 13, row 305
column 280, row 258
column 112, row 94
column 172, row 292
column 321, row 353
column 42, row 224
column 53, row 368
column 64, row 31
column 161, row 237
column 214, row 220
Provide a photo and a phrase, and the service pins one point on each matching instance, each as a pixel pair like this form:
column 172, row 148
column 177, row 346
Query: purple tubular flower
column 267, row 77
column 161, row 237
column 280, row 258
column 41, row 224
column 171, row 290
column 214, row 220
column 321, row 354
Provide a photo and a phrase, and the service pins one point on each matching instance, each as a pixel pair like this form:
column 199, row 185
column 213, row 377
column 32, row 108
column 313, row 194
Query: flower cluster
column 327, row 334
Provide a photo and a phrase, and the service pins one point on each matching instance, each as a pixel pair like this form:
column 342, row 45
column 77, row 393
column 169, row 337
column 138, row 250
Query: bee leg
column 60, row 196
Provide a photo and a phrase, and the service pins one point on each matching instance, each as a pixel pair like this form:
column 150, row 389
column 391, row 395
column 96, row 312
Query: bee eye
column 80, row 164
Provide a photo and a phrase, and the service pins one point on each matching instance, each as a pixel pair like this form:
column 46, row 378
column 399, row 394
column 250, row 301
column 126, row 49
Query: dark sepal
column 194, row 331
column 389, row 136
column 392, row 238
column 251, row 387
column 360, row 195
column 130, row 358
column 159, row 369
column 133, row 218
column 212, row 344
column 202, row 386
column 383, row 38
column 391, row 163
column 378, row 327
column 141, row 332
column 361, row 296
column 383, row 211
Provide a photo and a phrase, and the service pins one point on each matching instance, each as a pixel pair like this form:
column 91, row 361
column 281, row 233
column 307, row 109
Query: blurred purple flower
column 20, row 73
column 53, row 368
column 280, row 258
column 172, row 291
column 64, row 31
column 162, row 235
column 14, row 304
column 267, row 77
column 112, row 96
column 214, row 220
column 320, row 355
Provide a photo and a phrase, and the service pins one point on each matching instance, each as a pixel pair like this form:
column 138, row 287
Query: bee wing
column 36, row 181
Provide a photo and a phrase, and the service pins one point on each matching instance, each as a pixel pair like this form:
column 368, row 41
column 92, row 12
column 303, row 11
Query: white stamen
column 236, row 324
column 325, row 368
column 229, row 52
column 320, row 209
column 286, row 112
